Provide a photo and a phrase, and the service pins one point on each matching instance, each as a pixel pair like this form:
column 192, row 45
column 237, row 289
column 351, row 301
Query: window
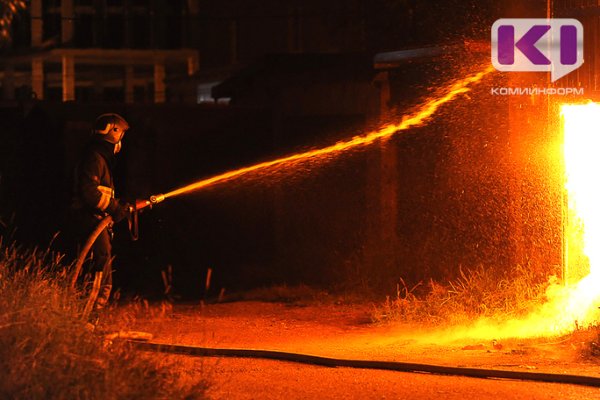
column 51, row 26
column 140, row 32
column 114, row 30
column 84, row 31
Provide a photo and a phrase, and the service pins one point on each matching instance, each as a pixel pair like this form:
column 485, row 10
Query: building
column 99, row 50
column 145, row 50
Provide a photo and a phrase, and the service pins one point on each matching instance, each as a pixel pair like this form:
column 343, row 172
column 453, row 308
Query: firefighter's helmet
column 110, row 127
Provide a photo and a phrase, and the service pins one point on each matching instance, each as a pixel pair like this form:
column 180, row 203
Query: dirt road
column 344, row 331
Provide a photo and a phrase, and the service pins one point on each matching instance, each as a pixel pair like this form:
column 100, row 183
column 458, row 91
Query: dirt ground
column 346, row 331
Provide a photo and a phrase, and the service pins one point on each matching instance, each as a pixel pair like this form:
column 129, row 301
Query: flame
column 581, row 145
column 575, row 303
column 419, row 117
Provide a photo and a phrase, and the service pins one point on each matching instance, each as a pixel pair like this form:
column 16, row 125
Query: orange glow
column 419, row 117
column 575, row 303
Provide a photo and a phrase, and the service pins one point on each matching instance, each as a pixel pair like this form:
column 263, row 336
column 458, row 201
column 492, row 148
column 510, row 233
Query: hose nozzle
column 156, row 198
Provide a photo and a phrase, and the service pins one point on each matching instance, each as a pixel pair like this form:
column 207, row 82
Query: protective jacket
column 94, row 190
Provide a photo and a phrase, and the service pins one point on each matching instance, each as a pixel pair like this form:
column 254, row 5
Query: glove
column 118, row 210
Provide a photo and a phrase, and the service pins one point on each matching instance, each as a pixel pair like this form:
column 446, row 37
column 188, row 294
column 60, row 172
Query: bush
column 47, row 351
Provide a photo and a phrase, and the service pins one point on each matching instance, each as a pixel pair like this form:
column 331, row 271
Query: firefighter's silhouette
column 94, row 195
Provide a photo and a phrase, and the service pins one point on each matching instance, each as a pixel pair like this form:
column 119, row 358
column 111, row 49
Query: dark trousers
column 102, row 262
column 83, row 224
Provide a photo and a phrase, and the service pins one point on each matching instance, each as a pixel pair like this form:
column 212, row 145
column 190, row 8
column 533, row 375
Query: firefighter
column 94, row 196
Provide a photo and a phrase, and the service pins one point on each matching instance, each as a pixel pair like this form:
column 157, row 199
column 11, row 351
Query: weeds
column 47, row 351
column 475, row 293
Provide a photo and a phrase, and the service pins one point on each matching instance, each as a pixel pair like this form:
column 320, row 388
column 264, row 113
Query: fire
column 581, row 144
column 569, row 305
column 573, row 304
column 419, row 117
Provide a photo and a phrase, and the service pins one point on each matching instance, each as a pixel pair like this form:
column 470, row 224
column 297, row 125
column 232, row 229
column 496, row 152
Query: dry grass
column 47, row 351
column 476, row 293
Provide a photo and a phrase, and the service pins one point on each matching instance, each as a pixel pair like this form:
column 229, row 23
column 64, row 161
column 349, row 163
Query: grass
column 475, row 293
column 478, row 294
column 47, row 351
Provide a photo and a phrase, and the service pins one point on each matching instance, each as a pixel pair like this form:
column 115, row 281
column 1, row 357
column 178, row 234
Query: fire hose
column 367, row 364
column 312, row 359
column 104, row 223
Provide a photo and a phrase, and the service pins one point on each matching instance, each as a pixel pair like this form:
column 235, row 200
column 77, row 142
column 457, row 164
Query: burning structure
column 553, row 222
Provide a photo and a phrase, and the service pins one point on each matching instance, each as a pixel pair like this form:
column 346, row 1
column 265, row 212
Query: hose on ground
column 367, row 364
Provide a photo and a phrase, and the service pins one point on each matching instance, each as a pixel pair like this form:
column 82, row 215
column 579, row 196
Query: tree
column 9, row 9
